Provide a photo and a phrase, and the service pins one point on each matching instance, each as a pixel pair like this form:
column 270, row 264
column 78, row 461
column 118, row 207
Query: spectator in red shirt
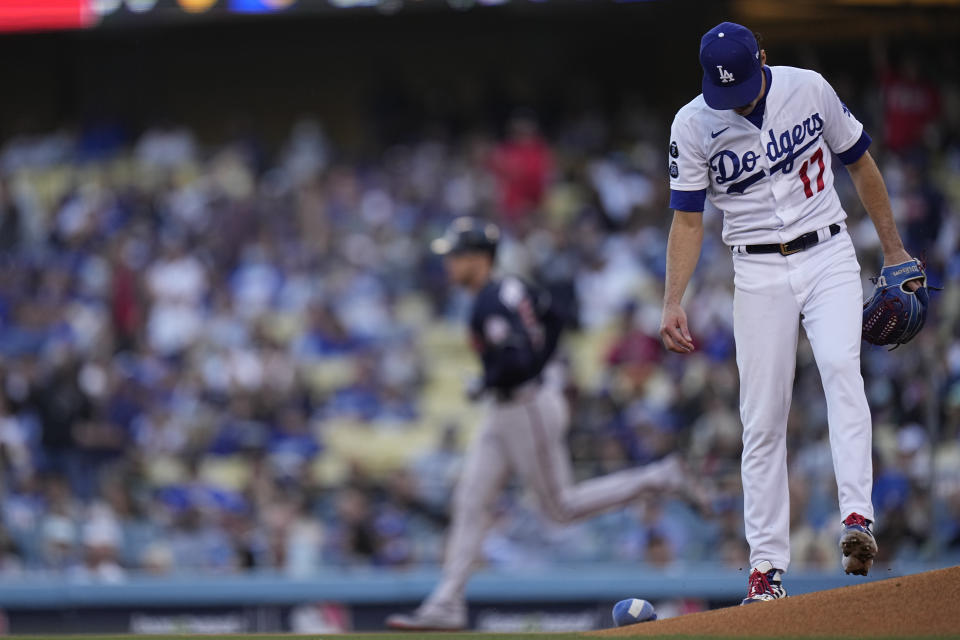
column 910, row 104
column 522, row 165
column 635, row 354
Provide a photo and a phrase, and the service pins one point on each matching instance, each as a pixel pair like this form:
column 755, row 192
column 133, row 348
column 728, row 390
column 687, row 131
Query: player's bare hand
column 674, row 331
column 900, row 257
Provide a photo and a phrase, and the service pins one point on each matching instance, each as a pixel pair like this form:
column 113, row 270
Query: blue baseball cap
column 732, row 72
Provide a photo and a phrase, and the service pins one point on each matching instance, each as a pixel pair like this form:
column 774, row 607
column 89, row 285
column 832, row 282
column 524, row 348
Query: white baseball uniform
column 771, row 177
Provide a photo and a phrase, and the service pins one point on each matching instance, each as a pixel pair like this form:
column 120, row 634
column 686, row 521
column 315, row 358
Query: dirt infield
column 925, row 604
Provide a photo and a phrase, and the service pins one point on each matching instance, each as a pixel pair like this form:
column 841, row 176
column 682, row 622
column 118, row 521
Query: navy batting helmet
column 468, row 235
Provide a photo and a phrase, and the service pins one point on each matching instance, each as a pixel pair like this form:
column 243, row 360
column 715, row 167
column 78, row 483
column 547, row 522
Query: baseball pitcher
column 759, row 143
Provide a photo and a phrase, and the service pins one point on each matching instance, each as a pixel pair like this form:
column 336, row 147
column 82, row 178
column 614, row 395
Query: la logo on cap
column 732, row 72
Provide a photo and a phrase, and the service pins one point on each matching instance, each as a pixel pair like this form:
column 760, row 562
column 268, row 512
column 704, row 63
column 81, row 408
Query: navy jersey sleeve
column 515, row 329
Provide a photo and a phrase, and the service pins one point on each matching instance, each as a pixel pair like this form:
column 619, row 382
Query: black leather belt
column 796, row 245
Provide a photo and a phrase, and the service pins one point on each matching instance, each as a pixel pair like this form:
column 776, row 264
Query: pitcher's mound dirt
column 924, row 604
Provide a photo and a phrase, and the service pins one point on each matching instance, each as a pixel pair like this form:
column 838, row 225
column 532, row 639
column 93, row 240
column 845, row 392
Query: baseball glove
column 894, row 314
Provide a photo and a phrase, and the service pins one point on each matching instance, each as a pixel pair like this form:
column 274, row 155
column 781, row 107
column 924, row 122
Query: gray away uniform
column 515, row 331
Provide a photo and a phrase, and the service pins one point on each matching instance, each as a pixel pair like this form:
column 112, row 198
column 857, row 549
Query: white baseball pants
column 527, row 437
column 821, row 288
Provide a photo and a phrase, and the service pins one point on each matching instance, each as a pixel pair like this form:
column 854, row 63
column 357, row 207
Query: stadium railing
column 371, row 586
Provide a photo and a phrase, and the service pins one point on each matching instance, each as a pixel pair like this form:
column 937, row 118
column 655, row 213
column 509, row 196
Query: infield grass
column 444, row 636
column 447, row 636
column 322, row 636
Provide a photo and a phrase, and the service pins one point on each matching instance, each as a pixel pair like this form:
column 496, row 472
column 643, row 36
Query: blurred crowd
column 166, row 305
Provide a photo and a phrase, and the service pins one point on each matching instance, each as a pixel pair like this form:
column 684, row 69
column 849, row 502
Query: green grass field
column 343, row 636
column 418, row 636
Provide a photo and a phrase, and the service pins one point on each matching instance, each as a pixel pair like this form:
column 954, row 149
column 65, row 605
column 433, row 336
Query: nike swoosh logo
column 714, row 134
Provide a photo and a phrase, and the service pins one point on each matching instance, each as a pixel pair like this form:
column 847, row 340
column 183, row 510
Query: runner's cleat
column 431, row 617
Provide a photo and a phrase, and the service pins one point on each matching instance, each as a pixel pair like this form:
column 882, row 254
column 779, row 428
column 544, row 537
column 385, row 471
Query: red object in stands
column 40, row 15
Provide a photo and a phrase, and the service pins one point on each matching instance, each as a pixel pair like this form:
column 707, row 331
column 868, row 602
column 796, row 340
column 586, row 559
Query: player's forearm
column 873, row 194
column 683, row 252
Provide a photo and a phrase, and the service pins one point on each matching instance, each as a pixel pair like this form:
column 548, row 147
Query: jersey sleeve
column 687, row 163
column 687, row 166
column 551, row 320
column 843, row 133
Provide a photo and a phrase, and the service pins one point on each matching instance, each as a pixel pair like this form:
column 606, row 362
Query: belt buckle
column 786, row 252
